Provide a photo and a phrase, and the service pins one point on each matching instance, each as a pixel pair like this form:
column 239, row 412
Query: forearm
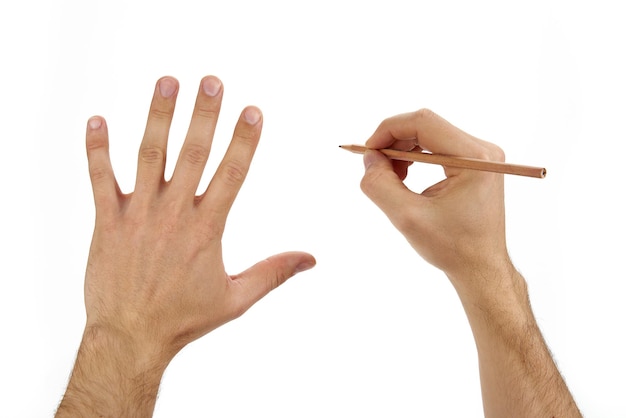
column 111, row 379
column 518, row 375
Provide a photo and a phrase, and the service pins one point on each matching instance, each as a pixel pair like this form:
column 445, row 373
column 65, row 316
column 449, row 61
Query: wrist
column 494, row 289
column 123, row 349
column 112, row 376
column 497, row 306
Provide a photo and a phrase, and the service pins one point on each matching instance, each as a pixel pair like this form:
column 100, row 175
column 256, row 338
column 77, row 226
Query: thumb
column 267, row 275
column 383, row 186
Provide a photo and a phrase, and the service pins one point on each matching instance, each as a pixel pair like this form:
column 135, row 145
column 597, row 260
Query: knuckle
column 207, row 112
column 277, row 278
column 274, row 277
column 196, row 154
column 233, row 173
column 213, row 231
column 151, row 155
column 425, row 114
column 247, row 137
column 98, row 174
column 491, row 152
column 96, row 142
column 497, row 153
column 160, row 114
column 385, row 125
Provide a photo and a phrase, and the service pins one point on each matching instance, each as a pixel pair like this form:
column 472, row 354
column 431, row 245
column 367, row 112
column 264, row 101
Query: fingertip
column 103, row 181
column 97, row 136
column 372, row 157
column 267, row 275
column 306, row 263
column 382, row 184
column 168, row 86
column 252, row 115
column 94, row 123
column 211, row 85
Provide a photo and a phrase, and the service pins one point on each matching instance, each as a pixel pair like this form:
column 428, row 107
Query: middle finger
column 195, row 151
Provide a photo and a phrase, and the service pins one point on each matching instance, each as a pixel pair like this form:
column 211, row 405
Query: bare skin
column 458, row 226
column 155, row 278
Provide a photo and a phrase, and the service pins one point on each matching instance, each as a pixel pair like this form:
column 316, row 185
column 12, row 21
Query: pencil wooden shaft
column 458, row 162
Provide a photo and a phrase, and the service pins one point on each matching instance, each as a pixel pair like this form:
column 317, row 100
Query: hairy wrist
column 112, row 377
column 480, row 276
column 513, row 356
column 495, row 292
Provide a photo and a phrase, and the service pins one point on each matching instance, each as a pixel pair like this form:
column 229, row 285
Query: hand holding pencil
column 456, row 223
column 458, row 226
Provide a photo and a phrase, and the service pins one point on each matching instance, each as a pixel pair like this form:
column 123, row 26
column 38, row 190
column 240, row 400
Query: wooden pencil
column 458, row 162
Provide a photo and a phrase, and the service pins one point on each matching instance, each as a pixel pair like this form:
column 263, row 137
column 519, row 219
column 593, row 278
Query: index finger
column 430, row 132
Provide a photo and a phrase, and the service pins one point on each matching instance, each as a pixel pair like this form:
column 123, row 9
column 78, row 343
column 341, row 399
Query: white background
column 372, row 330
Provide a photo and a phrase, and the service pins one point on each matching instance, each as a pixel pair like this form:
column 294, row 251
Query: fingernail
column 167, row 87
column 252, row 115
column 305, row 265
column 211, row 86
column 94, row 123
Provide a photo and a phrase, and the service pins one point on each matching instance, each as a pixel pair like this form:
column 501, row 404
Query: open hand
column 155, row 274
